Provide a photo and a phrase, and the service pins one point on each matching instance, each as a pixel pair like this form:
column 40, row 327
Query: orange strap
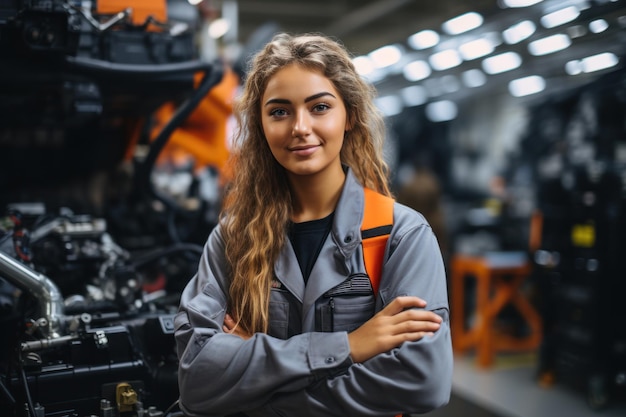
column 375, row 229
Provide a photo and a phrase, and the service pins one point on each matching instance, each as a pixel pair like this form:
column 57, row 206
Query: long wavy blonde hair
column 258, row 205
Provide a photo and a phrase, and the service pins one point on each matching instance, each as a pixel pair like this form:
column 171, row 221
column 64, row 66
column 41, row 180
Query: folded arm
column 414, row 377
column 221, row 373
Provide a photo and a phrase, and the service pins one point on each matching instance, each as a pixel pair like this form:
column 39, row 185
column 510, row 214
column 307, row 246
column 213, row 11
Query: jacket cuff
column 329, row 352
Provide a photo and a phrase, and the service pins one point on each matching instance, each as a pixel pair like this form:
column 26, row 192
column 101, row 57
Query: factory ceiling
column 597, row 26
column 363, row 25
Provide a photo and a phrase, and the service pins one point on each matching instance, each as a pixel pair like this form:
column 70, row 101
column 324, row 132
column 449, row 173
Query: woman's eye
column 278, row 112
column 321, row 107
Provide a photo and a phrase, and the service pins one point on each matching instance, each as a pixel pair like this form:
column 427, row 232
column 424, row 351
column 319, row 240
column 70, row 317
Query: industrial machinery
column 93, row 255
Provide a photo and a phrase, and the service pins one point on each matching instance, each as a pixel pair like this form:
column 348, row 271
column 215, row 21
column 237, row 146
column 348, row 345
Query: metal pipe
column 37, row 345
column 51, row 306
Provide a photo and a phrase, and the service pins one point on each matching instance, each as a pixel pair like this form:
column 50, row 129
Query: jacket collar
column 346, row 229
column 332, row 266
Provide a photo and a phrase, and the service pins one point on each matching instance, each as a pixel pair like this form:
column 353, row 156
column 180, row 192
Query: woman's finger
column 400, row 304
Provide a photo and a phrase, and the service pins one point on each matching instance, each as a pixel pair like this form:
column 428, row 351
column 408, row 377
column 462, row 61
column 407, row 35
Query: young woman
column 281, row 319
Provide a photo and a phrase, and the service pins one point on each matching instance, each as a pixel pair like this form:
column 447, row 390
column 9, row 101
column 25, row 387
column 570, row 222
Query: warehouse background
column 506, row 128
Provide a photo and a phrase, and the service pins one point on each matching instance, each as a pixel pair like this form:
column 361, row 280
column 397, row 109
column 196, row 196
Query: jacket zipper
column 331, row 304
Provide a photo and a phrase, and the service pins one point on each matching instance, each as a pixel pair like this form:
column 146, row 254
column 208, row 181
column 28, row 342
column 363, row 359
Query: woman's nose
column 301, row 124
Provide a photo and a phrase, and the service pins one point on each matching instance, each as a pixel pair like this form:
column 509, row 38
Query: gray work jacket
column 302, row 367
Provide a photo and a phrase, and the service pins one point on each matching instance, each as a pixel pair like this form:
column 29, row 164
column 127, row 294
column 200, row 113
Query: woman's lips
column 304, row 150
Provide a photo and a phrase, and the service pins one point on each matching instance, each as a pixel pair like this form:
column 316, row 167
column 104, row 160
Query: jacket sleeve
column 221, row 373
column 414, row 378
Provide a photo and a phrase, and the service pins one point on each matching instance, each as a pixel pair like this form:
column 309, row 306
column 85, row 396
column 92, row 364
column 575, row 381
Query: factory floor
column 510, row 389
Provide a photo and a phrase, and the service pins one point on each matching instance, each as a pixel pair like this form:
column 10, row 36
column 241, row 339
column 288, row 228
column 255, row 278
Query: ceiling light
column 518, row 32
column 598, row 25
column 444, row 60
column 592, row 63
column 560, row 17
column 501, row 63
column 389, row 105
column 194, row 2
column 218, row 28
column 573, row 67
column 549, row 44
column 416, row 70
column 476, row 49
column 386, row 56
column 423, row 39
column 414, row 95
column 462, row 23
column 363, row 65
column 520, row 3
column 599, row 62
column 441, row 111
column 526, row 86
column 474, row 78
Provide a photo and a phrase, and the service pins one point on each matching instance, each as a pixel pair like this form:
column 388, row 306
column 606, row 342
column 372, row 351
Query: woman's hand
column 230, row 326
column 400, row 321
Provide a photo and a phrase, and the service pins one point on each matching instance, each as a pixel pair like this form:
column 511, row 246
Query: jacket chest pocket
column 279, row 314
column 285, row 314
column 347, row 306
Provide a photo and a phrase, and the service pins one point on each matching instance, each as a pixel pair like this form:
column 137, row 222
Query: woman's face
column 304, row 120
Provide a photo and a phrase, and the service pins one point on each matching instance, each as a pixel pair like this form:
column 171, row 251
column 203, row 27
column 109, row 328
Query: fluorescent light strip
column 363, row 65
column 416, row 70
column 441, row 111
column 501, row 63
column 474, row 78
column 560, row 17
column 526, row 86
column 599, row 62
column 477, row 48
column 520, row 3
column 592, row 63
column 414, row 95
column 598, row 26
column 462, row 23
column 444, row 60
column 519, row 32
column 549, row 44
column 423, row 39
column 386, row 56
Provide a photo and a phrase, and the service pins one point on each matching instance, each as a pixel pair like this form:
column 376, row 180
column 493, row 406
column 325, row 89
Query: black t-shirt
column 307, row 239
